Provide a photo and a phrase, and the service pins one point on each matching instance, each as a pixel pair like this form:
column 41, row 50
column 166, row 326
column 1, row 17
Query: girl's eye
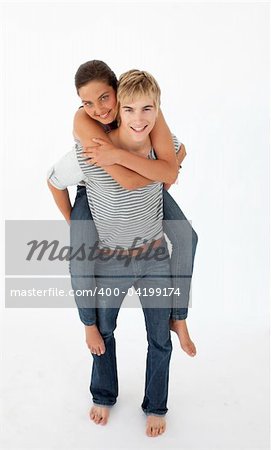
column 147, row 109
column 105, row 97
column 87, row 104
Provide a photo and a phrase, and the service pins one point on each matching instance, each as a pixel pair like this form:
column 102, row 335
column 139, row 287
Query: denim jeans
column 82, row 229
column 114, row 279
column 184, row 241
column 179, row 231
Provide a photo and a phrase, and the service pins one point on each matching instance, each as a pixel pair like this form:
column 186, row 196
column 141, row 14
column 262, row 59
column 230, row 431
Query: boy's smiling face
column 138, row 117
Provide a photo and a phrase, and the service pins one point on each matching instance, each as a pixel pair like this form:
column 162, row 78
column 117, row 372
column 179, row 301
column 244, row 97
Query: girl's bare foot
column 179, row 326
column 155, row 426
column 94, row 340
column 99, row 415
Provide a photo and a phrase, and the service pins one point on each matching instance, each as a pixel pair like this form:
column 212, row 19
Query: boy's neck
column 123, row 140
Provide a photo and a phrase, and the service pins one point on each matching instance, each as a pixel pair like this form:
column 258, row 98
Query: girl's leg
column 83, row 235
column 184, row 242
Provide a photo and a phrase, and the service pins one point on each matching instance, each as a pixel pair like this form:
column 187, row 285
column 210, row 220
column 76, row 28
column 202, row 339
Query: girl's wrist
column 119, row 155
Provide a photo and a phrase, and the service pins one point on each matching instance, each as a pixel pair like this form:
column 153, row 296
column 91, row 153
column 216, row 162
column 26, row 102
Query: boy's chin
column 138, row 137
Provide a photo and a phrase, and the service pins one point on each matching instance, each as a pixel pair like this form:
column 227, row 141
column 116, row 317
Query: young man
column 132, row 252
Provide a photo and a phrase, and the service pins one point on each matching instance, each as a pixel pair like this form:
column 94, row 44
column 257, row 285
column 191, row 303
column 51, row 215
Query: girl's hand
column 102, row 154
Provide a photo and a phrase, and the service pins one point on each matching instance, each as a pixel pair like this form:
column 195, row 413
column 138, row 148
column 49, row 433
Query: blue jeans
column 178, row 230
column 82, row 229
column 184, row 241
column 114, row 278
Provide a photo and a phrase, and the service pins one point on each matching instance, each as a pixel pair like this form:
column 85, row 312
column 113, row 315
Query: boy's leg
column 104, row 378
column 158, row 359
column 111, row 290
column 157, row 308
column 184, row 242
column 83, row 233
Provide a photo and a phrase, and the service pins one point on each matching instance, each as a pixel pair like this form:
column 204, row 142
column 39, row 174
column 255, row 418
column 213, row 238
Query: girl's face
column 99, row 101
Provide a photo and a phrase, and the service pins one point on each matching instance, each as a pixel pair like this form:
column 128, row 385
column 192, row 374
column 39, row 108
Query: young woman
column 96, row 85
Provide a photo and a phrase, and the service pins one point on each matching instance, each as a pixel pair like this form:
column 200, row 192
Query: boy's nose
column 138, row 120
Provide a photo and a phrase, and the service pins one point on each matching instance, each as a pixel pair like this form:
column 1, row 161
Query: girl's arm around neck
column 180, row 157
column 165, row 167
column 85, row 129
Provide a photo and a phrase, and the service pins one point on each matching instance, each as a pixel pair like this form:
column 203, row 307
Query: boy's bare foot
column 94, row 340
column 155, row 426
column 99, row 415
column 179, row 326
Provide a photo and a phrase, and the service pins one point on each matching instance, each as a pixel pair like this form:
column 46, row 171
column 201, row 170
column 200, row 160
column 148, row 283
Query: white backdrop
column 212, row 63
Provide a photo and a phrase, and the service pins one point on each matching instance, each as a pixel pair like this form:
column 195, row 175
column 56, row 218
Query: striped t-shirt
column 123, row 218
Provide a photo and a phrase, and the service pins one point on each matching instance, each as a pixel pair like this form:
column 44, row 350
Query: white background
column 212, row 63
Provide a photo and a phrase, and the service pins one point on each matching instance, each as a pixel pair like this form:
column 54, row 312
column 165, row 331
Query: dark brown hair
column 95, row 70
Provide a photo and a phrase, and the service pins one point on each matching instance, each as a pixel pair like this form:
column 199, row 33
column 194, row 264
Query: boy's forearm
column 62, row 200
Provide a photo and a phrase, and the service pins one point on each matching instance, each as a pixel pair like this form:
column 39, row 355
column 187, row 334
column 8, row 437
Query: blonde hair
column 136, row 83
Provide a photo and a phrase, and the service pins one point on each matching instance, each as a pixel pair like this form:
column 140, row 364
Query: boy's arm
column 62, row 200
column 85, row 129
column 65, row 172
